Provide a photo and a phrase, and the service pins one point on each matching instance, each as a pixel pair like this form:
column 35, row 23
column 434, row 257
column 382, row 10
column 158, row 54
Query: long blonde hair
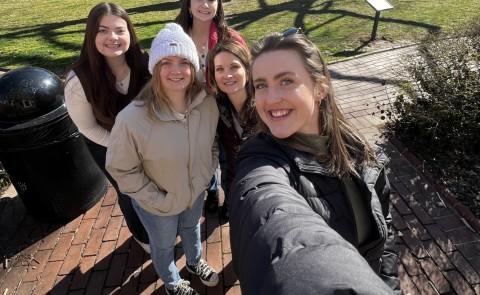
column 154, row 96
column 347, row 147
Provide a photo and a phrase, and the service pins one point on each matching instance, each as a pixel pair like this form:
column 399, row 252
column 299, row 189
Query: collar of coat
column 164, row 113
column 306, row 162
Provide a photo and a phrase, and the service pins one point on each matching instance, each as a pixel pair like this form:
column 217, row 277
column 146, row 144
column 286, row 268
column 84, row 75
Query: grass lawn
column 48, row 33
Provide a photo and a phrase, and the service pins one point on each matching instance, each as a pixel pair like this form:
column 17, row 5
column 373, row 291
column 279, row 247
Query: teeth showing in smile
column 279, row 113
column 229, row 83
column 176, row 79
column 113, row 46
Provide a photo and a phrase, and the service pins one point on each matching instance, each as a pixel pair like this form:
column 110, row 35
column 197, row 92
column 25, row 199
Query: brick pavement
column 95, row 254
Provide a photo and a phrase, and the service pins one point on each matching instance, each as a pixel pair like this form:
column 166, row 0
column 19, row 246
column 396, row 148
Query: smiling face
column 203, row 10
column 113, row 38
column 175, row 75
column 285, row 95
column 230, row 73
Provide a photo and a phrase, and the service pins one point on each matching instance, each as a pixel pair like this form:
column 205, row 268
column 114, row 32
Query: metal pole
column 375, row 26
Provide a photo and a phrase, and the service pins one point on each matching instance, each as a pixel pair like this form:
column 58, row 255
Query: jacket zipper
column 187, row 126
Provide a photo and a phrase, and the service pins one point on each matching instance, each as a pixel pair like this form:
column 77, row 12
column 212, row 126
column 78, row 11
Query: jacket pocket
column 158, row 204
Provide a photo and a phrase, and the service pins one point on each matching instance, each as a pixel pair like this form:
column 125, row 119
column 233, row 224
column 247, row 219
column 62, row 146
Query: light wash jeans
column 162, row 232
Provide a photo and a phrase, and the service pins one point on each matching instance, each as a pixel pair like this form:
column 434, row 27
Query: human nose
column 269, row 95
column 176, row 68
column 273, row 94
column 113, row 35
column 228, row 74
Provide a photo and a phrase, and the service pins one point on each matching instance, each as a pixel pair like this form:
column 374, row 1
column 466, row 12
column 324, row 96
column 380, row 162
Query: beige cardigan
column 164, row 163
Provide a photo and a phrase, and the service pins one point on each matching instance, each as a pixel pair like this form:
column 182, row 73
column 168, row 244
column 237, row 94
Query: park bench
column 379, row 6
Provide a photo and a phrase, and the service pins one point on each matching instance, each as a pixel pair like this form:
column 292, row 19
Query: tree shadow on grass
column 48, row 61
column 50, row 33
column 241, row 20
column 356, row 51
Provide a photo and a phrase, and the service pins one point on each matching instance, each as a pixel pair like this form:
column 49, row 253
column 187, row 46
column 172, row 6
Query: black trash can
column 41, row 149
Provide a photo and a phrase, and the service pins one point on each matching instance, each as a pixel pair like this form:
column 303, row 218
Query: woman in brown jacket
column 163, row 154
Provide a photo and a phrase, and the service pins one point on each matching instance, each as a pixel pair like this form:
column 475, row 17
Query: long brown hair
column 347, row 147
column 243, row 54
column 153, row 96
column 185, row 19
column 93, row 71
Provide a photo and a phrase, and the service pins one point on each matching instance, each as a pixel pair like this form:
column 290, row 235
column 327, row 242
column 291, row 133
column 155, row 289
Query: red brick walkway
column 95, row 254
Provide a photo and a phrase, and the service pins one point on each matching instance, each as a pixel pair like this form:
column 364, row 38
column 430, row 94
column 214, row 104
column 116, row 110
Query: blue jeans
column 162, row 232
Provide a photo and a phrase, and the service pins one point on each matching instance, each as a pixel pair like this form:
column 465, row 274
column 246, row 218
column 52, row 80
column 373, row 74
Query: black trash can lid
column 27, row 93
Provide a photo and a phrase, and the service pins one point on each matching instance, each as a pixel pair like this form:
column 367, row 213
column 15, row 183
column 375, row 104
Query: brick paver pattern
column 95, row 254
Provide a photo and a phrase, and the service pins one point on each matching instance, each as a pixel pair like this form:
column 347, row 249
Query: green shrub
column 438, row 115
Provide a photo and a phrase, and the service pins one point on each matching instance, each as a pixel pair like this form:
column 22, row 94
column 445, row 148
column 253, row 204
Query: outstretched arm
column 281, row 246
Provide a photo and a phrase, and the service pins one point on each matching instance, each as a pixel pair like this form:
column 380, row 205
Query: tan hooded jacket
column 163, row 162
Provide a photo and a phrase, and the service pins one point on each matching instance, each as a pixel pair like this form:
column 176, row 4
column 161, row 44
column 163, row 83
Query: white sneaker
column 146, row 247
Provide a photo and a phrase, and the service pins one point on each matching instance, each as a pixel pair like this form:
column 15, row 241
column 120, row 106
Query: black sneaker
column 211, row 204
column 205, row 273
column 182, row 288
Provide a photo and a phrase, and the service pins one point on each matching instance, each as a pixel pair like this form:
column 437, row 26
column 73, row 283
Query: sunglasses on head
column 291, row 31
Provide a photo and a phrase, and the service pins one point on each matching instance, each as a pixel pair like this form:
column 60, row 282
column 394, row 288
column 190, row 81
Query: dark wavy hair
column 97, row 79
column 185, row 19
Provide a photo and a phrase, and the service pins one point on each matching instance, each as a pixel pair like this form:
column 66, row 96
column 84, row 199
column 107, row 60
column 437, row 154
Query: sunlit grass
column 48, row 33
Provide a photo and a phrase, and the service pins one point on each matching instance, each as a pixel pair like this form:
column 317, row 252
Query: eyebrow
column 107, row 27
column 231, row 64
column 276, row 77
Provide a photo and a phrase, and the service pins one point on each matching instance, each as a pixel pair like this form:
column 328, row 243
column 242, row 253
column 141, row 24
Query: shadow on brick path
column 95, row 254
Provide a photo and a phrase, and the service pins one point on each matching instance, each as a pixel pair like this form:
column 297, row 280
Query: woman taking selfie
column 310, row 201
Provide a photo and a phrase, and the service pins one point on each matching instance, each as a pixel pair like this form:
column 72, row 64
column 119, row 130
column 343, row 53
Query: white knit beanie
column 172, row 41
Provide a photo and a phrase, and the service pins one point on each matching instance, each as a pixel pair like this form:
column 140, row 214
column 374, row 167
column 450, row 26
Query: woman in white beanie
column 162, row 152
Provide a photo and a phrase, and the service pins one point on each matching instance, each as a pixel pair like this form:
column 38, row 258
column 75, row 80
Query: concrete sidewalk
column 95, row 254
